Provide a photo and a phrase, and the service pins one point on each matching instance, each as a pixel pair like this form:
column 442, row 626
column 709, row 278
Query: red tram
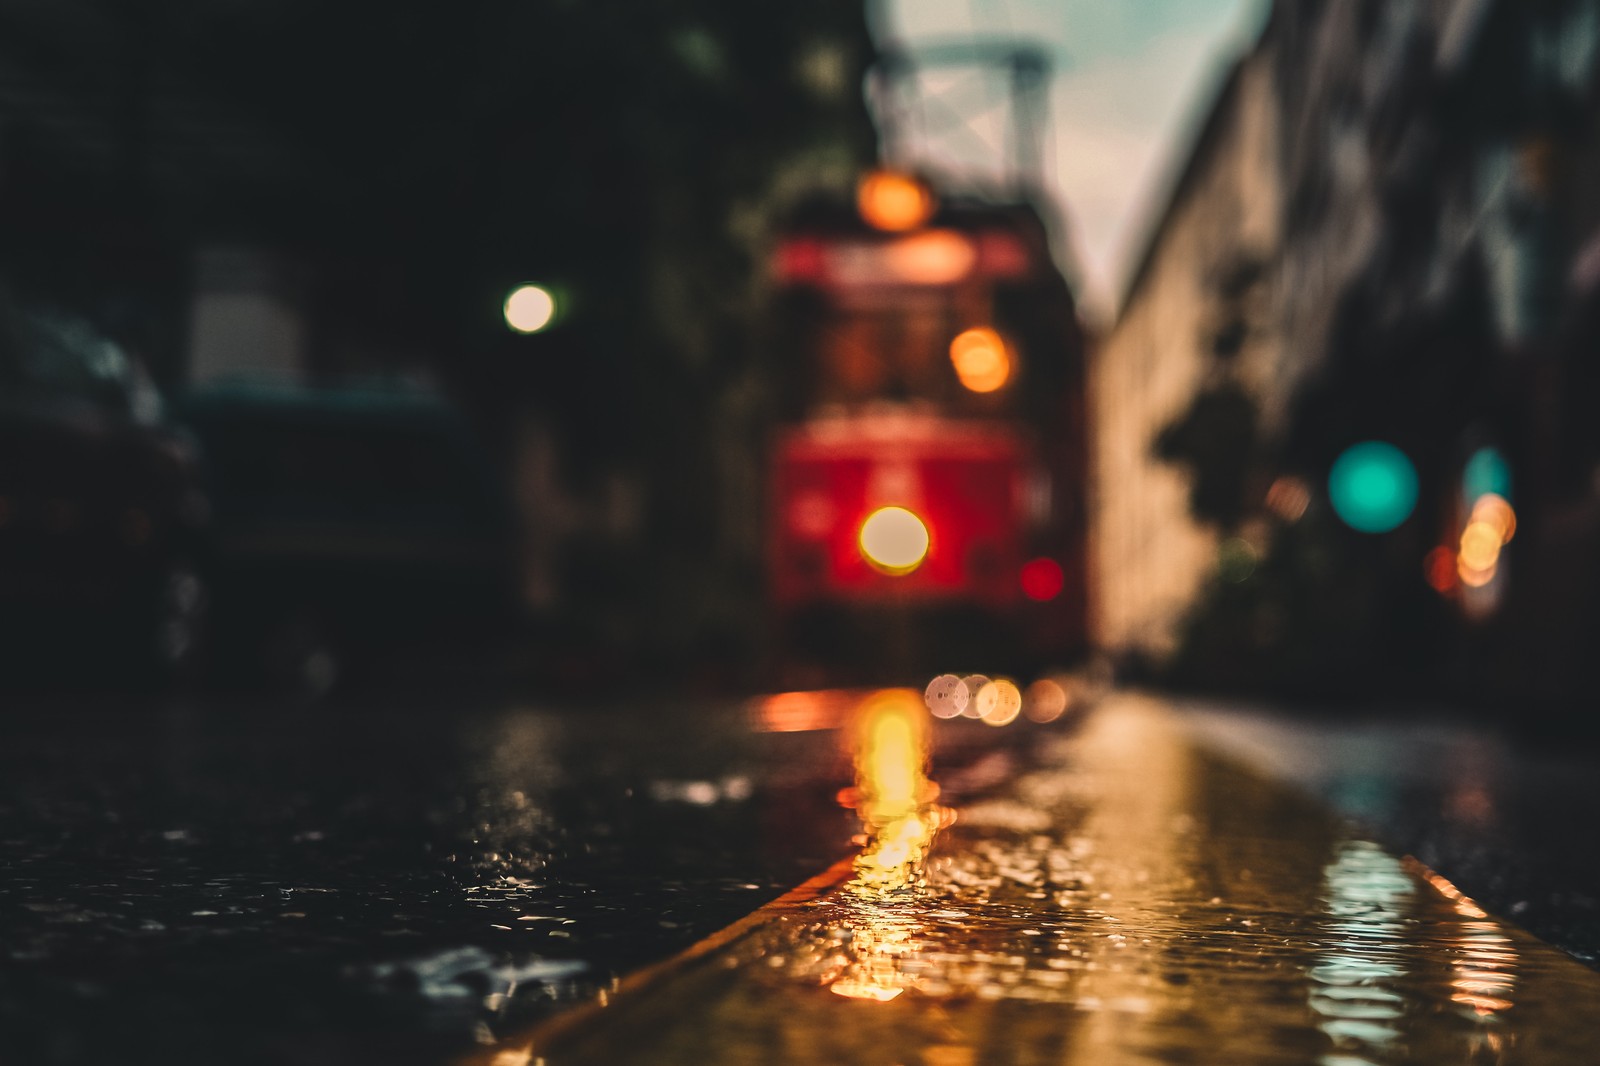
column 929, row 464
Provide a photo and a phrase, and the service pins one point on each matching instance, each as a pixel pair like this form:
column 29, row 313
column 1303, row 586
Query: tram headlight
column 894, row 540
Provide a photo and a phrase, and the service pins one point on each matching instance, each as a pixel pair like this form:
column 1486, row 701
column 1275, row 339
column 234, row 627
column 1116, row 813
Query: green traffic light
column 1372, row 486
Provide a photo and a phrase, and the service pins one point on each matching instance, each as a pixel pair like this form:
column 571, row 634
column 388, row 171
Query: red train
column 928, row 469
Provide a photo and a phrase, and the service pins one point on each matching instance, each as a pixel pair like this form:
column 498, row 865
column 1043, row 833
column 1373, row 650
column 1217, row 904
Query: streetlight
column 530, row 308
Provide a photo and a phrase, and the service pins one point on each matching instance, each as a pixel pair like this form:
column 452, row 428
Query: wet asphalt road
column 1509, row 818
column 399, row 880
column 390, row 881
column 1126, row 896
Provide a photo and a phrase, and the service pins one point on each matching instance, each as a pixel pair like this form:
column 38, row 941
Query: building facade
column 1423, row 271
column 1193, row 323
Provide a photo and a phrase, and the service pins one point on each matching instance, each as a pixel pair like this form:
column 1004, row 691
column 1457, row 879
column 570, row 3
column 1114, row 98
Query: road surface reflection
column 1124, row 897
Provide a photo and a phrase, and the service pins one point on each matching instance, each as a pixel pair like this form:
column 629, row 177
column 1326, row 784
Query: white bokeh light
column 530, row 308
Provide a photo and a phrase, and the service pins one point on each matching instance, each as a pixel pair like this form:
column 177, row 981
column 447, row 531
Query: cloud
column 1120, row 127
column 1132, row 78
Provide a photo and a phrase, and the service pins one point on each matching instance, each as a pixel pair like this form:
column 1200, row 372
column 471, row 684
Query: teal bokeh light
column 1487, row 471
column 1372, row 486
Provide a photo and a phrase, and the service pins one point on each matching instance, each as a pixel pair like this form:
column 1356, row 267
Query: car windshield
column 51, row 355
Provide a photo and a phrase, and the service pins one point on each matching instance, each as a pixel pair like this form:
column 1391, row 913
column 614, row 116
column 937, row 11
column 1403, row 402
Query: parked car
column 102, row 515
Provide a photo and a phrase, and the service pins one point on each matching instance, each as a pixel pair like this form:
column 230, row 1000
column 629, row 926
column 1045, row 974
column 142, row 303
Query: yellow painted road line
column 520, row 1049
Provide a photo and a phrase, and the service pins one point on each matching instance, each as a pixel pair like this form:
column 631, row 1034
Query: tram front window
column 897, row 356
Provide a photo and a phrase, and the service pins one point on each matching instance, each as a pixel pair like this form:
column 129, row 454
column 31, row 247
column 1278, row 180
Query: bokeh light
column 1439, row 567
column 1474, row 578
column 999, row 702
column 1480, row 546
column 981, row 359
column 1372, row 486
column 530, row 308
column 1494, row 510
column 1236, row 560
column 893, row 796
column 974, row 684
column 936, row 257
column 1042, row 579
column 1288, row 497
column 1490, row 527
column 1486, row 473
column 803, row 711
column 946, row 696
column 893, row 753
column 1045, row 701
column 892, row 201
column 894, row 540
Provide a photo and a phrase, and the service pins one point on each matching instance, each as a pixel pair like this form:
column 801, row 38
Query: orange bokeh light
column 933, row 257
column 1491, row 526
column 893, row 796
column 1480, row 546
column 1493, row 510
column 893, row 201
column 981, row 359
column 999, row 702
column 1474, row 579
column 1045, row 701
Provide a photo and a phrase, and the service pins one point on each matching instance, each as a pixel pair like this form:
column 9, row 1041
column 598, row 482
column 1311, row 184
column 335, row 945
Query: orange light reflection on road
column 877, row 944
column 1485, row 958
column 894, row 799
column 801, row 712
column 893, row 796
column 1464, row 906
